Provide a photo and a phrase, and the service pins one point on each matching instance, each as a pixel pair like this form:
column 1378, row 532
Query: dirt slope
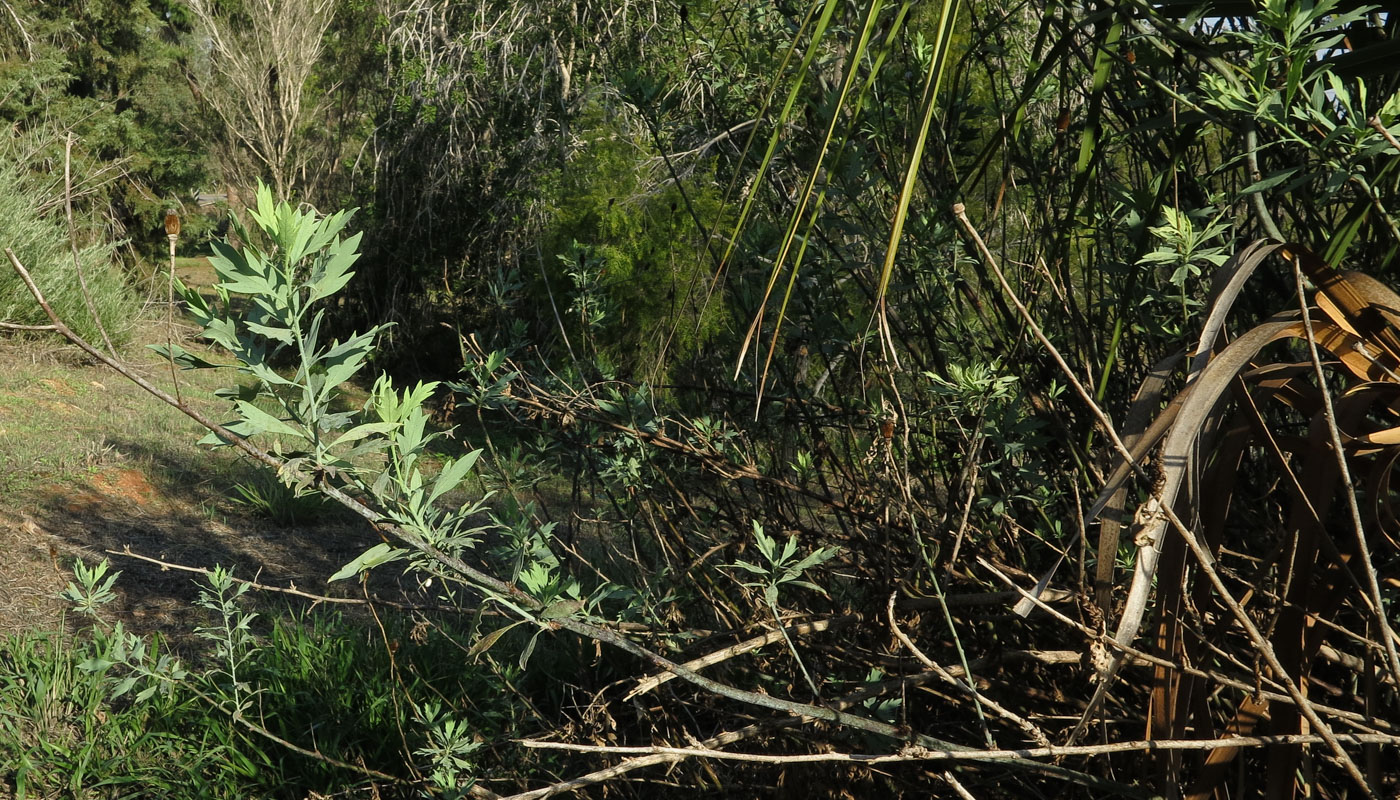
column 91, row 464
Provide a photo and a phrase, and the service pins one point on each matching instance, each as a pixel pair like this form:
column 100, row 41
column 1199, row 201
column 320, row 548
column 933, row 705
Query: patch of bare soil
column 91, row 466
column 122, row 511
column 169, row 510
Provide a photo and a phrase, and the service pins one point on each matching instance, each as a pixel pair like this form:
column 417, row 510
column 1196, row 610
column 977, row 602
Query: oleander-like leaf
column 376, row 556
column 260, row 421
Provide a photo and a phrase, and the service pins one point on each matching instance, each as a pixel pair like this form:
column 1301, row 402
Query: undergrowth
column 96, row 711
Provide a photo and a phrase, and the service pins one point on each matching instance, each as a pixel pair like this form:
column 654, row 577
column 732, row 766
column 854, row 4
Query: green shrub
column 40, row 241
column 630, row 262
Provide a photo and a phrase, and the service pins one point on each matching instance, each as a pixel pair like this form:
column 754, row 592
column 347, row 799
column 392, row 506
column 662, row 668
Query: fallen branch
column 916, row 753
column 653, row 681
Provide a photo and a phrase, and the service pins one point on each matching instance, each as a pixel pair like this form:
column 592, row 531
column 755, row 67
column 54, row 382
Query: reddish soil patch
column 126, row 484
column 58, row 387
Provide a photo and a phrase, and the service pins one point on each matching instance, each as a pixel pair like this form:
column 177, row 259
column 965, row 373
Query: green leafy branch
column 302, row 260
column 784, row 568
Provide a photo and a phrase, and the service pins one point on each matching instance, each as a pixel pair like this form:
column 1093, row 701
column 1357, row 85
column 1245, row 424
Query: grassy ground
column 90, row 463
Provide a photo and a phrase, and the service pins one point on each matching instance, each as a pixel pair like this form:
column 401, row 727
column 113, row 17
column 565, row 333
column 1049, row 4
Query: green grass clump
column 60, row 735
column 41, row 244
column 343, row 686
column 265, row 494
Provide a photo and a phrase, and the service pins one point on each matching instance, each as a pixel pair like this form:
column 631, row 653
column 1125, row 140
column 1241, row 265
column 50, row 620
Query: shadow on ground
column 169, row 511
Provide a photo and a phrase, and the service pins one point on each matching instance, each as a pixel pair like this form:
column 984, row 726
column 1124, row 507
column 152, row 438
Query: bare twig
column 23, row 33
column 1132, row 655
column 1375, row 122
column 960, row 212
column 957, row 786
column 73, row 243
column 642, row 762
column 1363, row 551
column 291, row 590
column 730, row 737
column 965, row 686
column 261, row 64
column 915, row 753
column 653, row 681
column 316, row 754
column 984, row 599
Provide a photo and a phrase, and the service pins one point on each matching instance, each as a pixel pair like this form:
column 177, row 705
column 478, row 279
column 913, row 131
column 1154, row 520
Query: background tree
column 254, row 65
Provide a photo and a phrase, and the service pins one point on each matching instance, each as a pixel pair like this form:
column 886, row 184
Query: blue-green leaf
column 268, row 375
column 336, row 273
column 184, row 358
column 376, row 556
column 452, row 474
column 279, row 334
column 262, row 422
column 361, row 431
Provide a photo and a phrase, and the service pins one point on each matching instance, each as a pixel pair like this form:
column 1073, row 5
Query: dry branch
column 914, row 753
column 528, row 606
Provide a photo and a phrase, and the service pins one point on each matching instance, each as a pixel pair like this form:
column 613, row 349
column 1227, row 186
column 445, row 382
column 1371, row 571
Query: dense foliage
column 788, row 335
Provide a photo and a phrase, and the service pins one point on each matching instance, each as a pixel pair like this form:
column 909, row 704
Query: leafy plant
column 303, row 262
column 1186, row 253
column 378, row 451
column 589, row 309
column 101, row 712
column 784, row 569
column 108, row 708
column 447, row 749
column 232, row 637
column 93, row 588
column 782, row 566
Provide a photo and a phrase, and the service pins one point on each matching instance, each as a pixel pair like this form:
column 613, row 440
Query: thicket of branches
column 803, row 341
